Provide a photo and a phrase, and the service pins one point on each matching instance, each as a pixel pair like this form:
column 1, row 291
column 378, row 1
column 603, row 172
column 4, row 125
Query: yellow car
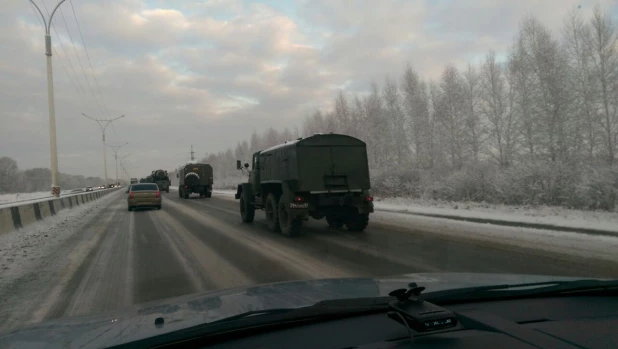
column 144, row 195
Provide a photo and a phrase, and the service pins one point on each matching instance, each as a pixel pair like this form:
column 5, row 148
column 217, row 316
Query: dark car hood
column 181, row 312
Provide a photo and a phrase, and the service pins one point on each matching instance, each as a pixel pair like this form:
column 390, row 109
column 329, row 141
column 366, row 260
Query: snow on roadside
column 558, row 216
column 24, row 250
column 6, row 198
column 567, row 243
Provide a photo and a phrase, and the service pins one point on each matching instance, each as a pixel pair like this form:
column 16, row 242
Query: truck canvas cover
column 320, row 163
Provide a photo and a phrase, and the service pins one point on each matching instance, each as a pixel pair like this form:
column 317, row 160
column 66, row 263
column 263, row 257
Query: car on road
column 101, row 187
column 144, row 195
column 89, row 189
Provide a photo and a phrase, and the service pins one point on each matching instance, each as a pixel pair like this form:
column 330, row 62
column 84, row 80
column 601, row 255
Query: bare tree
column 342, row 114
column 496, row 107
column 474, row 128
column 578, row 44
column 450, row 113
column 605, row 61
column 416, row 104
column 397, row 143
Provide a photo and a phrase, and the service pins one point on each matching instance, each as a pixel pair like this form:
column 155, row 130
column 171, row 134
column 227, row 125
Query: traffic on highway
column 304, row 174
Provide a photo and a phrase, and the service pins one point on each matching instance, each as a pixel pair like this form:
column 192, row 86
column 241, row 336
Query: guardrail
column 18, row 216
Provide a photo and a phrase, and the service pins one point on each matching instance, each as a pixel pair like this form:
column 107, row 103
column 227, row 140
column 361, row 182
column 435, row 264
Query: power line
column 96, row 101
column 65, row 52
column 96, row 82
column 64, row 68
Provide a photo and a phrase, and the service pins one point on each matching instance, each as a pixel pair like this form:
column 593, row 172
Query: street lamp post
column 115, row 148
column 103, row 123
column 50, row 99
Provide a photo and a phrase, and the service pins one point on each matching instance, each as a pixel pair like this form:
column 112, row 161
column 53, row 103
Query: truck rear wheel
column 334, row 222
column 208, row 194
column 289, row 226
column 357, row 222
column 185, row 194
column 247, row 210
column 272, row 216
column 167, row 190
column 180, row 192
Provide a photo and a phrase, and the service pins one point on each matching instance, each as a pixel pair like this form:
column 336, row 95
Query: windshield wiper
column 535, row 289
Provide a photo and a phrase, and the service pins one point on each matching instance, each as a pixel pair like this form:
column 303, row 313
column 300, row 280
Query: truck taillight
column 369, row 198
column 299, row 199
column 158, row 194
column 131, row 195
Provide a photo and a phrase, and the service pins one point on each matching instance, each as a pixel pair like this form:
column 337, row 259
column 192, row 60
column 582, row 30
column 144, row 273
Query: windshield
column 426, row 141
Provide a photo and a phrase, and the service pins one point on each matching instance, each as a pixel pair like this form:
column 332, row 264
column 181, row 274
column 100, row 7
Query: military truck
column 195, row 178
column 133, row 180
column 161, row 178
column 324, row 175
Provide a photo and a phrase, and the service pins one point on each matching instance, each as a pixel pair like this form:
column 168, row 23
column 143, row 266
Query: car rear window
column 139, row 187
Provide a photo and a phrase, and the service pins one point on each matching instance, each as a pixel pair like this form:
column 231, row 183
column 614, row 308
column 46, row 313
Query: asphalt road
column 120, row 258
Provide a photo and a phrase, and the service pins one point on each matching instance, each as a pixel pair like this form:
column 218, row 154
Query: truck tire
column 272, row 216
column 357, row 222
column 208, row 194
column 247, row 210
column 179, row 192
column 289, row 227
column 185, row 194
column 334, row 222
column 167, row 190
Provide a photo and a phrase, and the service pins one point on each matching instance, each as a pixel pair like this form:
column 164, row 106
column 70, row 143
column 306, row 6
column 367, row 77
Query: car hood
column 138, row 322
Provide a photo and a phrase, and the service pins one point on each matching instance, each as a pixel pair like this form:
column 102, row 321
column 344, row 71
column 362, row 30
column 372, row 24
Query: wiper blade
column 545, row 288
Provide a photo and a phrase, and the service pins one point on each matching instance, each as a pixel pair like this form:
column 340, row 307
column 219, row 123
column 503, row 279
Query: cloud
column 208, row 73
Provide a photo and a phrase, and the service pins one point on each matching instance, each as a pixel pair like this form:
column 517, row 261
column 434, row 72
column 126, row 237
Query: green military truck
column 161, row 178
column 195, row 178
column 325, row 175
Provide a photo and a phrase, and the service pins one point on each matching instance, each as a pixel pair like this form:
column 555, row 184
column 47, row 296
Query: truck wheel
column 357, row 222
column 272, row 216
column 289, row 227
column 208, row 194
column 185, row 194
column 181, row 193
column 247, row 210
column 334, row 222
column 167, row 190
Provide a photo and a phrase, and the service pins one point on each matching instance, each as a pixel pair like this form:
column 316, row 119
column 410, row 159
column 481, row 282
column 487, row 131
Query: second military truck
column 325, row 175
column 161, row 178
column 195, row 178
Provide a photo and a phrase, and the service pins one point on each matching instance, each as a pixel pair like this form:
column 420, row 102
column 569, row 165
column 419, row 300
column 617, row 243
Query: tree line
column 536, row 125
column 14, row 180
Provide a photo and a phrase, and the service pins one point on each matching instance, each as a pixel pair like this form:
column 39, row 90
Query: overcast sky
column 210, row 72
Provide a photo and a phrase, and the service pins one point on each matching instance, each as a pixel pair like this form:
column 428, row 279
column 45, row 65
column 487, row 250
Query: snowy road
column 104, row 258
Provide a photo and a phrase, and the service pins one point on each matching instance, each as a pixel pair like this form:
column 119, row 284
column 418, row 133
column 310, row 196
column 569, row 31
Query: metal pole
column 53, row 149
column 116, row 158
column 52, row 118
column 104, row 157
column 103, row 128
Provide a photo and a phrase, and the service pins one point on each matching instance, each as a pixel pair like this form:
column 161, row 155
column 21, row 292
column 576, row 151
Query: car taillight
column 131, row 195
column 299, row 199
column 369, row 198
column 158, row 194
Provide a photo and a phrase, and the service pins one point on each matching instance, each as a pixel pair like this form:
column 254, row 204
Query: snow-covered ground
column 5, row 198
column 556, row 216
column 25, row 249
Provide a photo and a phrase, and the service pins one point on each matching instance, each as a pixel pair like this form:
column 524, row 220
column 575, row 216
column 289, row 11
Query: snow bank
column 558, row 216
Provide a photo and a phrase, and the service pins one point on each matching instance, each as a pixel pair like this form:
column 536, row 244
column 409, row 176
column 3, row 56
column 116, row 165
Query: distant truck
column 143, row 180
column 324, row 175
column 161, row 178
column 133, row 180
column 195, row 178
